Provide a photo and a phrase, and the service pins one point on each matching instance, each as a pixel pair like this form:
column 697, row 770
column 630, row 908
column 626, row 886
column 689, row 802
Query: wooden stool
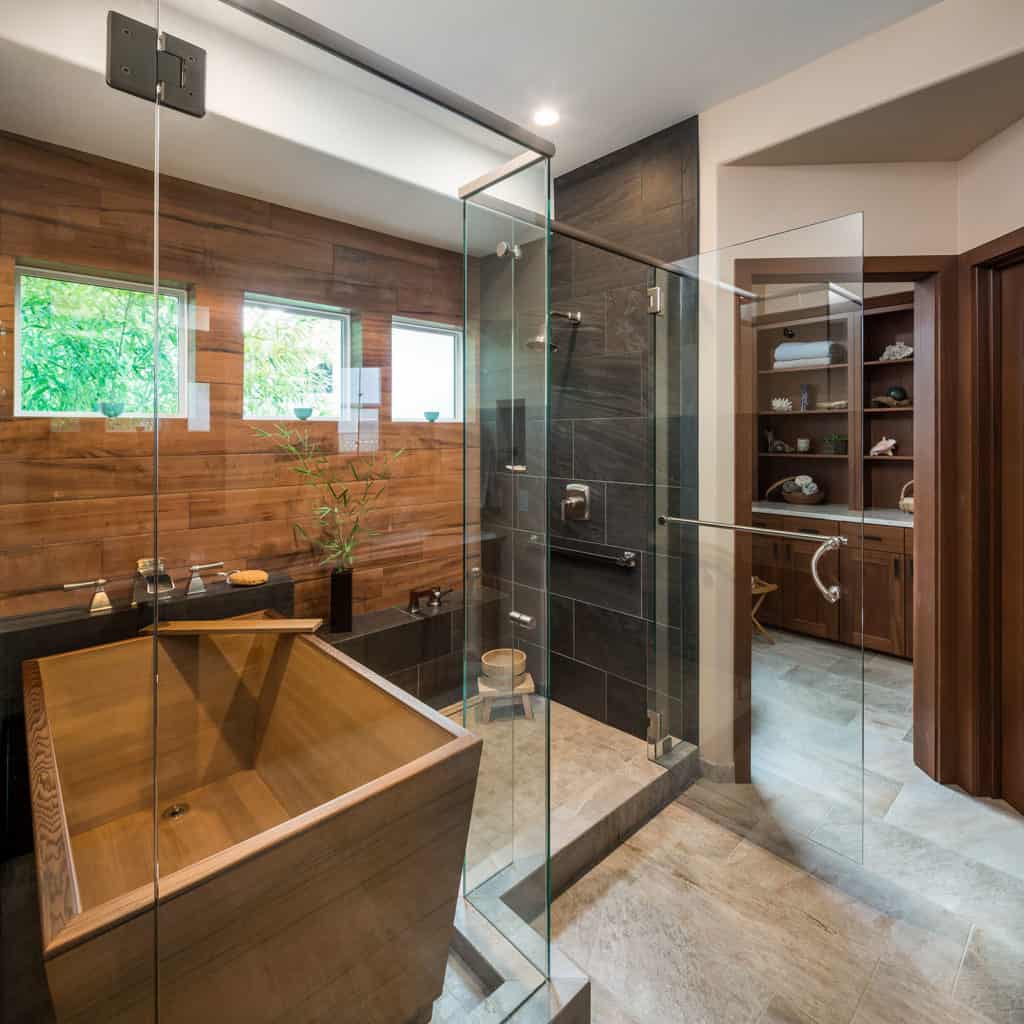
column 760, row 589
column 491, row 694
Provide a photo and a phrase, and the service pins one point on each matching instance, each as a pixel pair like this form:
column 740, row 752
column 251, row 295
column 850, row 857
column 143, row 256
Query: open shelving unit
column 884, row 476
column 856, row 479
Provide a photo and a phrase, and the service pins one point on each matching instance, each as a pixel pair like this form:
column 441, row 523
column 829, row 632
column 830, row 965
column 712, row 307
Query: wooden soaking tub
column 314, row 871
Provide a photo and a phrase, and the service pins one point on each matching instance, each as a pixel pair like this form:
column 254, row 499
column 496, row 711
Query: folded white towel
column 809, row 350
column 796, row 364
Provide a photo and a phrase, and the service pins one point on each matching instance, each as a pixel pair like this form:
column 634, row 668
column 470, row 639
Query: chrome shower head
column 504, row 248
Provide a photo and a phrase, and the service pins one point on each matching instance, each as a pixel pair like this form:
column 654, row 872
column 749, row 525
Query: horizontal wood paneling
column 76, row 494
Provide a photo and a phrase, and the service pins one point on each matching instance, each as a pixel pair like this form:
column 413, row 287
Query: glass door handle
column 831, row 594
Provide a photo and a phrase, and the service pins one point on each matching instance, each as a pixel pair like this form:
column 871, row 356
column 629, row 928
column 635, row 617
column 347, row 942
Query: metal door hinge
column 654, row 301
column 156, row 67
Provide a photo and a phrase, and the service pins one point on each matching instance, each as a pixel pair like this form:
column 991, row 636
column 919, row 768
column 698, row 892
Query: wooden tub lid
column 189, row 627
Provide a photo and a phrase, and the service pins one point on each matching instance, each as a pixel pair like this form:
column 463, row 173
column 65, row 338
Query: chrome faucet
column 436, row 594
column 100, row 601
column 151, row 582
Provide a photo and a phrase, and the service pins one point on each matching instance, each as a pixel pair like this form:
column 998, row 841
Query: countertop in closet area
column 842, row 513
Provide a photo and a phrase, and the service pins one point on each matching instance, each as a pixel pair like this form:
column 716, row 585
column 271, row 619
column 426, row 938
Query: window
column 426, row 371
column 296, row 358
column 83, row 346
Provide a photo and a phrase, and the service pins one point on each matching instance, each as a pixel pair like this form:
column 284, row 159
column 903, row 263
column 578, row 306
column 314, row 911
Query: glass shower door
column 506, row 517
column 759, row 521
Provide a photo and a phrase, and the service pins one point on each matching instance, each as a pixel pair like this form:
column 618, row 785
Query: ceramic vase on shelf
column 341, row 601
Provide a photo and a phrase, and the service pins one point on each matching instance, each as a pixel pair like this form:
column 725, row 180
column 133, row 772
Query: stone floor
column 774, row 903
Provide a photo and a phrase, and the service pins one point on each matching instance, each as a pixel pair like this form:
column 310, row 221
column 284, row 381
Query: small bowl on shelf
column 302, row 412
column 798, row 498
column 432, row 416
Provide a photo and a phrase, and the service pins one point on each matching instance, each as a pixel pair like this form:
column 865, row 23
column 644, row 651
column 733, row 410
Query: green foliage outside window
column 82, row 344
column 292, row 359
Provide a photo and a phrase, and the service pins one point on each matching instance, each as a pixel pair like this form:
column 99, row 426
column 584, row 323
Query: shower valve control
column 576, row 503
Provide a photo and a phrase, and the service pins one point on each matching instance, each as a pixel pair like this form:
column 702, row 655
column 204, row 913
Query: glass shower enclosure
column 196, row 382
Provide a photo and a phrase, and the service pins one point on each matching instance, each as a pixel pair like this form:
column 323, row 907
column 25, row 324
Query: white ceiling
column 617, row 70
column 291, row 125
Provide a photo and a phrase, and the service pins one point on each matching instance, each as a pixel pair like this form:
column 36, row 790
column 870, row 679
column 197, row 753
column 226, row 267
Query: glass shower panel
column 759, row 519
column 315, row 790
column 507, row 513
column 77, row 319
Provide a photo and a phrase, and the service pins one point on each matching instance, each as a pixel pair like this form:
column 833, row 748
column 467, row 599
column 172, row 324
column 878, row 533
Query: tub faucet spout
column 415, row 596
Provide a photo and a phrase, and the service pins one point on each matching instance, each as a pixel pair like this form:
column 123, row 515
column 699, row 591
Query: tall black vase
column 341, row 601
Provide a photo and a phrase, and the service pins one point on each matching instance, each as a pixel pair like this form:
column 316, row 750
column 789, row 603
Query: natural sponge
column 247, row 577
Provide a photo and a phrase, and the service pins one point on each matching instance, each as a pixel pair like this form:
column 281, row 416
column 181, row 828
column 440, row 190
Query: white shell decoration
column 782, row 404
column 887, row 446
column 810, row 488
column 897, row 351
column 803, row 480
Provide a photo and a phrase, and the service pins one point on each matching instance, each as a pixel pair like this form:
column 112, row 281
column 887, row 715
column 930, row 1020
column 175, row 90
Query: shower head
column 504, row 248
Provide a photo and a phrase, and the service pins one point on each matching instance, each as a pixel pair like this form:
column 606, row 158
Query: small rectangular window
column 296, row 360
column 83, row 346
column 426, row 371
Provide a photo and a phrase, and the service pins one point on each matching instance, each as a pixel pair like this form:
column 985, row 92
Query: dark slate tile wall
column 608, row 634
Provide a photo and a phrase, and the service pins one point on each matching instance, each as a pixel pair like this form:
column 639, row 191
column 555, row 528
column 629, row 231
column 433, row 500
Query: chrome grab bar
column 831, row 594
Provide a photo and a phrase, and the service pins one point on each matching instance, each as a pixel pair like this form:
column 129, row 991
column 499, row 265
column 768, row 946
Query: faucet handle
column 195, row 583
column 100, row 600
column 436, row 594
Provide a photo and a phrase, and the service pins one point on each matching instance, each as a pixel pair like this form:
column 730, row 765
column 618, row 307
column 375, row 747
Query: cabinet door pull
column 869, row 536
column 809, row 529
column 896, row 568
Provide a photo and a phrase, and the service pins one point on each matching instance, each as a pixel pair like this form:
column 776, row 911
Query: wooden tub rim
column 70, row 926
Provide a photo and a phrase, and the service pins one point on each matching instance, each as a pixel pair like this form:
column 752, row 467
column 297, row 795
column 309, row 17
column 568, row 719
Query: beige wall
column 991, row 189
column 908, row 208
column 943, row 41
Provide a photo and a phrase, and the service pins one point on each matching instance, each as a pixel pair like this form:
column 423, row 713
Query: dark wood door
column 804, row 609
column 879, row 575
column 1011, row 540
column 908, row 607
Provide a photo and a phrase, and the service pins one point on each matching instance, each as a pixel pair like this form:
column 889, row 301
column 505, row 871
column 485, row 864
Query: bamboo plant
column 342, row 500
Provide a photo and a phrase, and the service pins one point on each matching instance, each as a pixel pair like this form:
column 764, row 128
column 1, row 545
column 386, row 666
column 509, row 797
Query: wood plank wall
column 76, row 495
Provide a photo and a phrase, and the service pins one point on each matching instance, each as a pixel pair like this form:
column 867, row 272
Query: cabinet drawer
column 812, row 527
column 880, row 538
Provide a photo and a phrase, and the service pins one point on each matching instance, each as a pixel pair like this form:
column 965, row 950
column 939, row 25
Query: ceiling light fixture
column 545, row 117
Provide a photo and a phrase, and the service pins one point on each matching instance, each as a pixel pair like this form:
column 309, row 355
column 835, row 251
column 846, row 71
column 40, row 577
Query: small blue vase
column 432, row 416
column 111, row 409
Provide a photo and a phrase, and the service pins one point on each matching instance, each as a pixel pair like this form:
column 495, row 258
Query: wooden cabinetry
column 873, row 587
column 874, row 572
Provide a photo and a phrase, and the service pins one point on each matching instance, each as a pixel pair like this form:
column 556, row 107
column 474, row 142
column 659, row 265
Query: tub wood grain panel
column 320, row 877
column 58, row 889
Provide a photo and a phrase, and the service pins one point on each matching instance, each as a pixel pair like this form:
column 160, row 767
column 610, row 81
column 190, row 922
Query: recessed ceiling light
column 545, row 117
